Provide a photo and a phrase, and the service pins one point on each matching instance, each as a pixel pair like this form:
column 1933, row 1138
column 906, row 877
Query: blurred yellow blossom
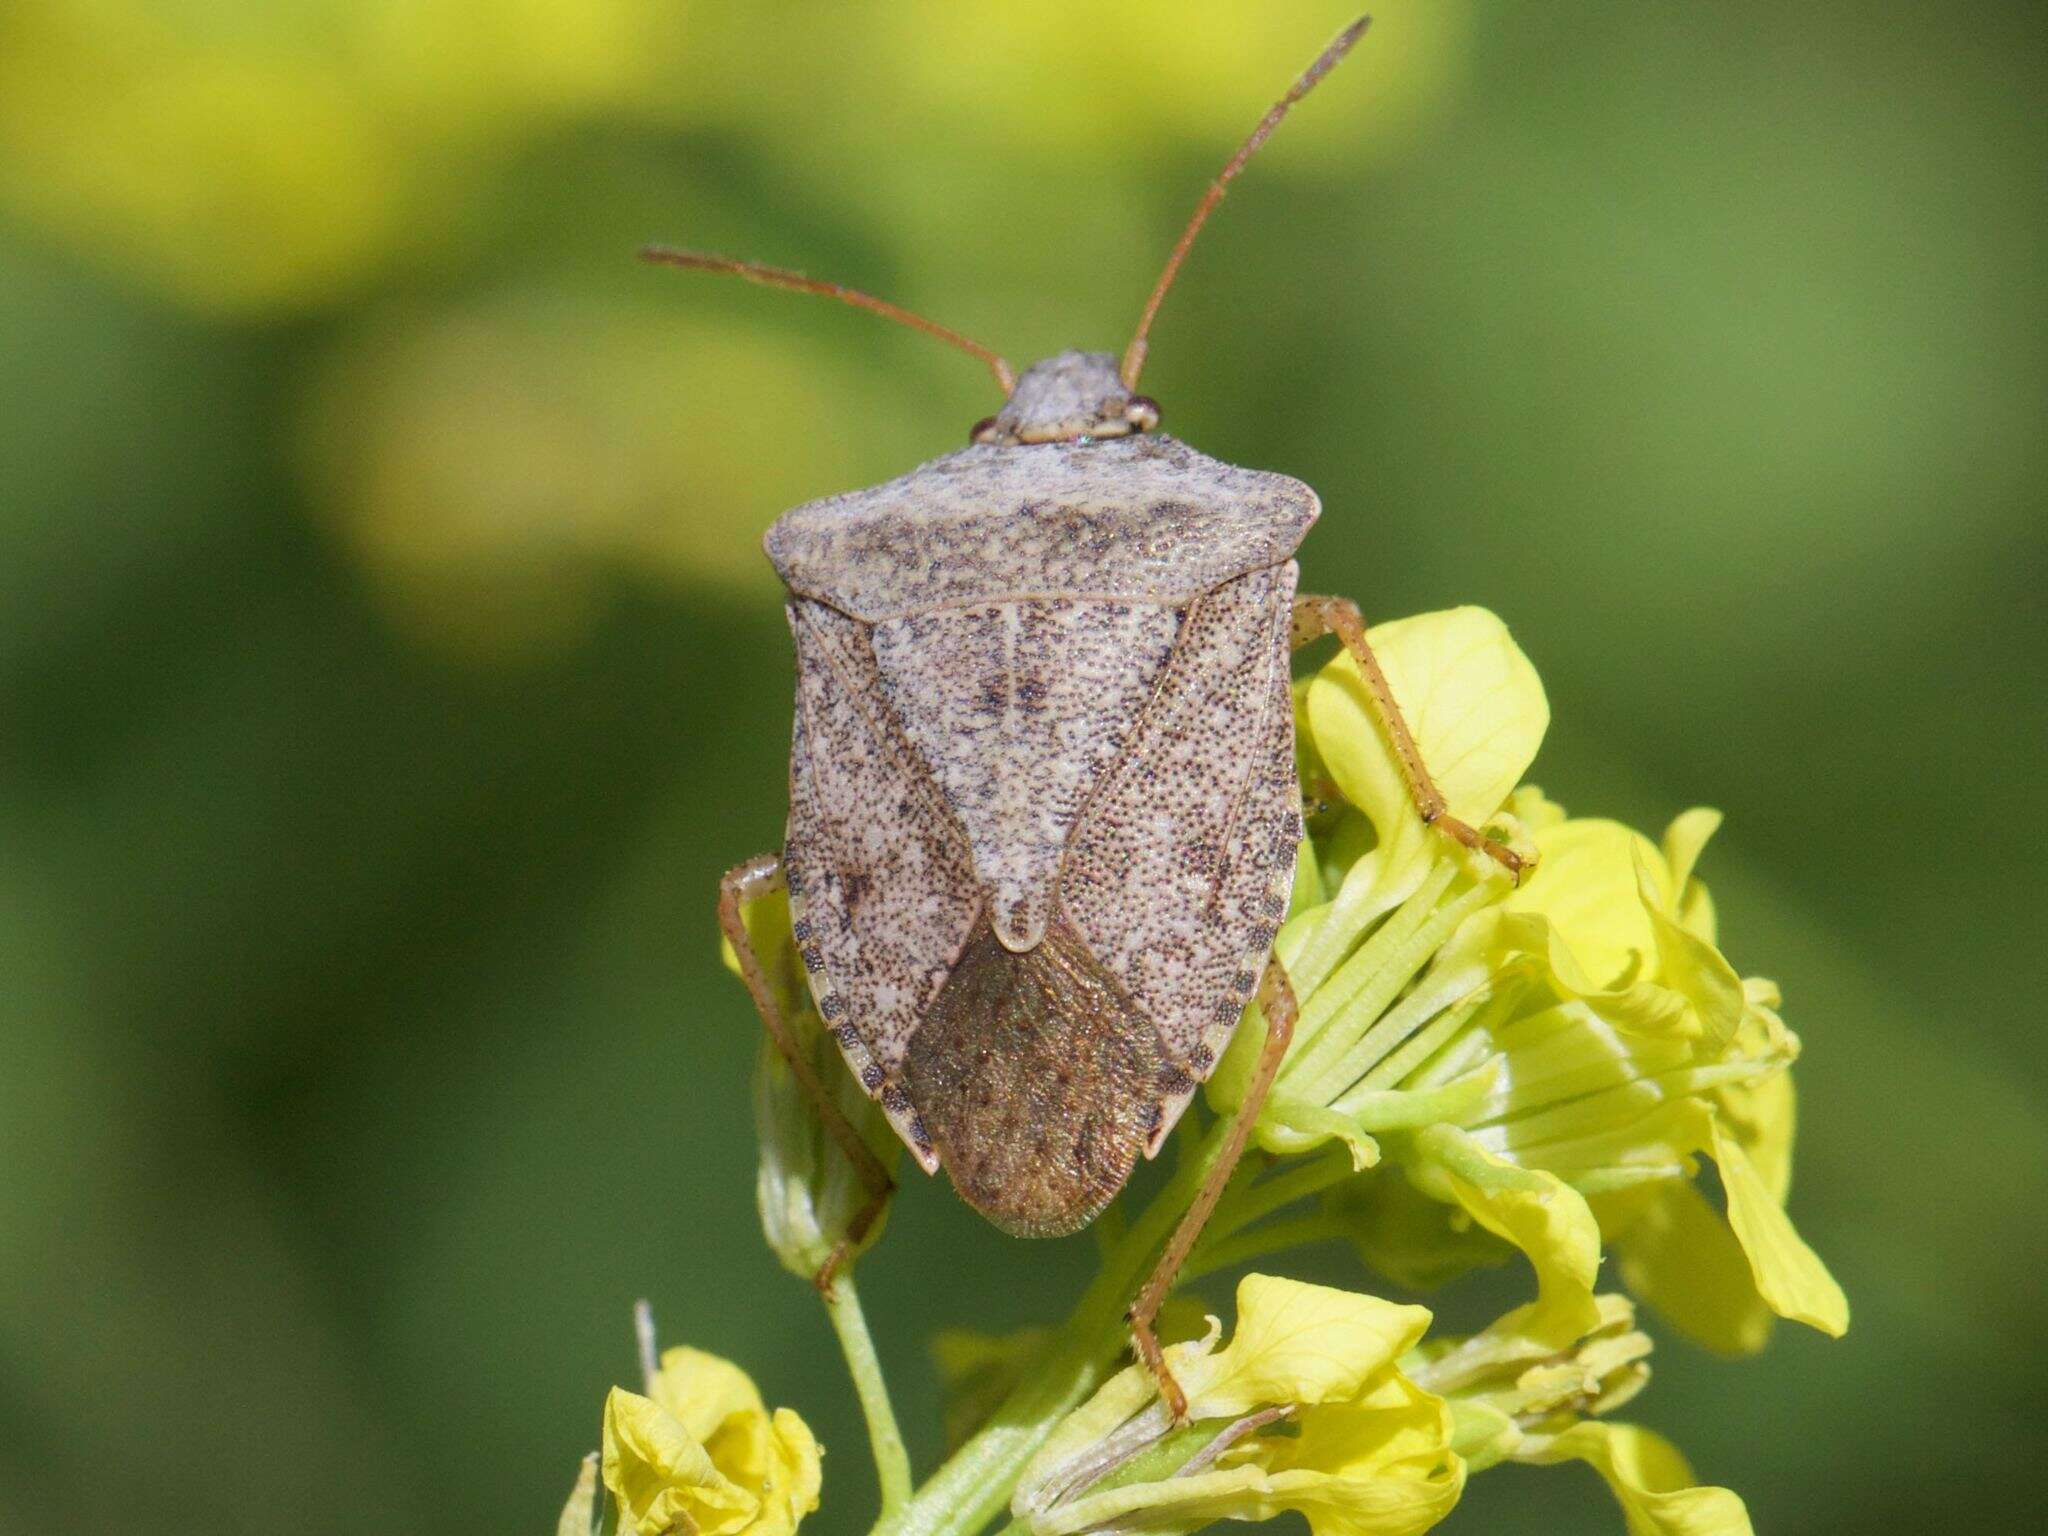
column 1632, row 913
column 701, row 1454
column 970, row 123
column 496, row 465
column 256, row 160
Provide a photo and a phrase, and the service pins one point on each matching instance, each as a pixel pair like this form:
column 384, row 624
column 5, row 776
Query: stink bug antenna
column 1327, row 60
column 781, row 277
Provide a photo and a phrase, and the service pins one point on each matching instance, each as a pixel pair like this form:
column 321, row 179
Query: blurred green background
column 388, row 666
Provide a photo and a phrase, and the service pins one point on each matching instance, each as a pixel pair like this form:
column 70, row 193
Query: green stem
column 975, row 1483
column 892, row 1461
column 1294, row 1232
column 1239, row 1209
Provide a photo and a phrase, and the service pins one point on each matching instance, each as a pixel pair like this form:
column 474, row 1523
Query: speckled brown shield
column 1043, row 810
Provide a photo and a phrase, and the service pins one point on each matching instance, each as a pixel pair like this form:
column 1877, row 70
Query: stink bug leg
column 758, row 877
column 1277, row 1003
column 1315, row 617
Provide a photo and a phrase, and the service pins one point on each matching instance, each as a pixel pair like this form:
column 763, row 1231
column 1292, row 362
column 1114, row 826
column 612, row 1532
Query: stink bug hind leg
column 1315, row 617
column 758, row 877
column 1277, row 1003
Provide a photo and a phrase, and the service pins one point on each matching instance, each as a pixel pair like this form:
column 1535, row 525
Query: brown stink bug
column 1043, row 805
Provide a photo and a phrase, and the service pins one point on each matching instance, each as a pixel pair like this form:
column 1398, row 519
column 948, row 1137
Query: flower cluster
column 1480, row 1068
column 1549, row 1063
column 1332, row 1405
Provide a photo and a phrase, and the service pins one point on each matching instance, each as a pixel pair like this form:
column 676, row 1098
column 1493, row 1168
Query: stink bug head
column 1069, row 397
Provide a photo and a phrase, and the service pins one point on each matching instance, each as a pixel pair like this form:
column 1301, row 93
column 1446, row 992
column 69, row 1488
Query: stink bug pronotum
column 1043, row 806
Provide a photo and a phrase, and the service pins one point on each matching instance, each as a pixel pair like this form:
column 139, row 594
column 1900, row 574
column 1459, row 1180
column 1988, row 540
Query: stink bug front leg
column 747, row 882
column 1315, row 617
column 1277, row 1003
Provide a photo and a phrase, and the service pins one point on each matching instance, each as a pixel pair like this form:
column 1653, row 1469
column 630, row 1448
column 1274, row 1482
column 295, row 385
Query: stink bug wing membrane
column 1178, row 875
column 882, row 891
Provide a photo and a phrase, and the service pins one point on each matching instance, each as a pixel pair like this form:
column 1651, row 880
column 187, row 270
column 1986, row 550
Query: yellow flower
column 701, row 1455
column 1381, row 1429
column 1549, row 1062
column 1364, row 1451
column 1515, row 1398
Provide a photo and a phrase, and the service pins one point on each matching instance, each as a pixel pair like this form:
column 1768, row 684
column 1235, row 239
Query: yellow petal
column 1691, row 966
column 1601, row 911
column 1536, row 811
column 1764, row 1117
column 789, row 1491
column 1536, row 1211
column 1696, row 913
column 1684, row 840
column 662, row 1478
column 701, row 1391
column 1394, row 1429
column 1472, row 701
column 1649, row 1478
column 1789, row 1275
column 1585, row 886
column 1299, row 1343
column 1676, row 1252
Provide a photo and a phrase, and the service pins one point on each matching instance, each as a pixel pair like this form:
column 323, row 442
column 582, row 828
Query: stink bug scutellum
column 1043, row 807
